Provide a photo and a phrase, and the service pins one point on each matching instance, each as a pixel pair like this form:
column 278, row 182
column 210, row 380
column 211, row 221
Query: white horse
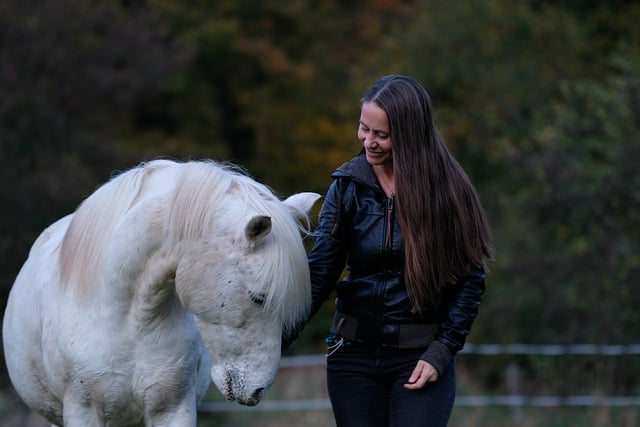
column 169, row 276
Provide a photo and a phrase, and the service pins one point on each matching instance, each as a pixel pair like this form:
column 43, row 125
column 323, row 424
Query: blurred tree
column 583, row 208
column 489, row 75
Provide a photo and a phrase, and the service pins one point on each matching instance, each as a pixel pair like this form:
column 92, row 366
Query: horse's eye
column 257, row 297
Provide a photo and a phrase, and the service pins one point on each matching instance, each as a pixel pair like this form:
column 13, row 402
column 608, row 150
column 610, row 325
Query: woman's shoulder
column 357, row 169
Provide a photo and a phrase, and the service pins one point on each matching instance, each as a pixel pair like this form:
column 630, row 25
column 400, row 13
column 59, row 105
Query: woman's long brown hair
column 443, row 224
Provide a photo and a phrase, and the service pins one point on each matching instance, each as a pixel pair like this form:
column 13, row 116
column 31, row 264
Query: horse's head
column 244, row 284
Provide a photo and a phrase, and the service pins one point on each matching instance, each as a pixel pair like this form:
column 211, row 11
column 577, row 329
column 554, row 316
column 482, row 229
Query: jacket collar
column 357, row 169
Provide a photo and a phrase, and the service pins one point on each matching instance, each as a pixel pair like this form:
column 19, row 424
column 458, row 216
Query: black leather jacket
column 358, row 225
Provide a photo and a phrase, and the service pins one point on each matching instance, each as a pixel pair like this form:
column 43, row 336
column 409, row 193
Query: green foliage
column 489, row 66
column 582, row 208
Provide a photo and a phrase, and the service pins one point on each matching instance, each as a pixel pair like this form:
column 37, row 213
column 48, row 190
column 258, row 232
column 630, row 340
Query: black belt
column 401, row 335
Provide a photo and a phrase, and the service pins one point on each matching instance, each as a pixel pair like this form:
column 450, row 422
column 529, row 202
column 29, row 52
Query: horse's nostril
column 255, row 397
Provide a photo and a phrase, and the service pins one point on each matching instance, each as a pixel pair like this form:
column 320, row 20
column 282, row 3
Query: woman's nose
column 369, row 140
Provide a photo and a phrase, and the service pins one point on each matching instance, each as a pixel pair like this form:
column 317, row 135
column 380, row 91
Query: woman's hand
column 423, row 373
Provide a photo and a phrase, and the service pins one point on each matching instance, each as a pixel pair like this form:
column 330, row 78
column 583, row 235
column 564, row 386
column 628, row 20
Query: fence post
column 513, row 387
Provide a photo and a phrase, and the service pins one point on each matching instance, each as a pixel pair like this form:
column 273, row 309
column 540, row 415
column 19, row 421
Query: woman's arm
column 463, row 300
column 327, row 257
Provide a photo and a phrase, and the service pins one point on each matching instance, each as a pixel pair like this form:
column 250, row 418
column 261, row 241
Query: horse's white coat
column 167, row 277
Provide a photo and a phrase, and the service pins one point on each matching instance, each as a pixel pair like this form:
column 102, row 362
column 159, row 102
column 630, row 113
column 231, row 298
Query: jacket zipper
column 389, row 237
column 378, row 322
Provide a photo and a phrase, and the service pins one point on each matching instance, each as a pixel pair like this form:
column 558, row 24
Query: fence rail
column 511, row 400
column 552, row 349
column 466, row 401
column 500, row 349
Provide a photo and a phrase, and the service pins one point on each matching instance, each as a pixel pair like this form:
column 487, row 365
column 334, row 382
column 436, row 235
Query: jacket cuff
column 438, row 355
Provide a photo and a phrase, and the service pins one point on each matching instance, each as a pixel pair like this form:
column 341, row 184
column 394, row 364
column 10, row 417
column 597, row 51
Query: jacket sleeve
column 462, row 302
column 329, row 253
column 328, row 256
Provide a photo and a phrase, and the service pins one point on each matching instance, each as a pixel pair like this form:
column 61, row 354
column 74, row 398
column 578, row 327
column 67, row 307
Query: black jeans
column 366, row 389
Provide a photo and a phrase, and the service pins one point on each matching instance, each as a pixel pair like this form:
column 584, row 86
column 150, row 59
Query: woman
column 406, row 220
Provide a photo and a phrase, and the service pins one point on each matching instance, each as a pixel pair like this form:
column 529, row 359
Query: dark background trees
column 539, row 101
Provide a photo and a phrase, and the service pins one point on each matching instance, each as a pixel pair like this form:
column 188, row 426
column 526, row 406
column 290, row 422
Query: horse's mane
column 198, row 186
column 94, row 222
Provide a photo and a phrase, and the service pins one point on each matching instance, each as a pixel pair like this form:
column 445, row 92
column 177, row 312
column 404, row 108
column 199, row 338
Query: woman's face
column 374, row 134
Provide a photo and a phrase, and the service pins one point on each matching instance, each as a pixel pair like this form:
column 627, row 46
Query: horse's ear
column 301, row 203
column 257, row 227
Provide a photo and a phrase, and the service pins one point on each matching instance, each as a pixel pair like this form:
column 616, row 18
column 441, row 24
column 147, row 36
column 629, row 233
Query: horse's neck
column 155, row 289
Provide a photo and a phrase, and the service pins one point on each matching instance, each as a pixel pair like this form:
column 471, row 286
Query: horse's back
column 25, row 317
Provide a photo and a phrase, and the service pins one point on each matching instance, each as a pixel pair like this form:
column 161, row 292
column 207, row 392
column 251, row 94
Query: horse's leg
column 184, row 414
column 77, row 415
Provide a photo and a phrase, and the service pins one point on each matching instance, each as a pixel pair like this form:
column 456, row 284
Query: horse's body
column 169, row 276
